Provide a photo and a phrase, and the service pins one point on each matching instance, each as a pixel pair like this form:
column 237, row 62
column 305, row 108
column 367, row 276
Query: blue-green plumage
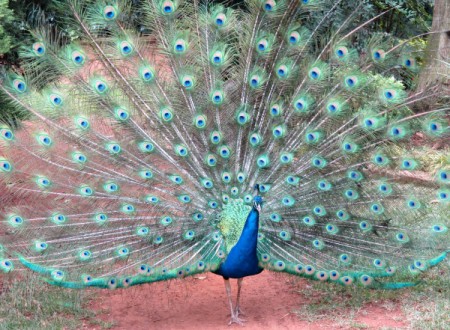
column 140, row 158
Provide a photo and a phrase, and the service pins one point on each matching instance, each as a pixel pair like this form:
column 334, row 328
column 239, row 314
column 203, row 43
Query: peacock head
column 257, row 199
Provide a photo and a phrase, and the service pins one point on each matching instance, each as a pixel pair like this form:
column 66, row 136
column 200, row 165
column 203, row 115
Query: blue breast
column 242, row 260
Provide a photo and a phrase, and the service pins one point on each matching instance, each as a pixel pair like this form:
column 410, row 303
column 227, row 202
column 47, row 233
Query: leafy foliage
column 5, row 17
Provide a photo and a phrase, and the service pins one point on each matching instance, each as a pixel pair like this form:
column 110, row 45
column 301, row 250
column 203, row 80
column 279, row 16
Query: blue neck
column 249, row 237
column 242, row 260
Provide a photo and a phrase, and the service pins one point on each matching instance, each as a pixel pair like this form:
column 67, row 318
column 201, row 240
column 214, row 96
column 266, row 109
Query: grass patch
column 429, row 159
column 426, row 306
column 30, row 303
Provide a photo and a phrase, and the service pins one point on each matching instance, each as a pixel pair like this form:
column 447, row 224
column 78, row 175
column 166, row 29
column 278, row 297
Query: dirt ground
column 269, row 301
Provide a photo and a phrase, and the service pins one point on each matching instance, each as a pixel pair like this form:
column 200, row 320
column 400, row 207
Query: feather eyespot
column 113, row 148
column 146, row 146
column 216, row 137
column 109, row 13
column 167, row 7
column 220, row 20
column 188, row 82
column 269, row 5
column 275, row 110
column 315, row 73
column 217, row 97
column 166, row 114
column 294, row 38
column 39, row 49
column 19, row 85
column 282, row 71
column 78, row 58
column 255, row 81
column 125, row 48
column 262, row 45
column 100, row 86
column 180, row 46
column 56, row 99
column 217, row 58
column 121, row 114
column 6, row 133
column 351, row 81
column 378, row 55
column 147, row 74
column 211, row 160
column 255, row 139
column 341, row 52
column 100, row 218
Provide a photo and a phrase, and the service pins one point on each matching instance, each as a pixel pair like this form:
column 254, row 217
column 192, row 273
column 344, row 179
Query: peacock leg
column 238, row 307
column 234, row 317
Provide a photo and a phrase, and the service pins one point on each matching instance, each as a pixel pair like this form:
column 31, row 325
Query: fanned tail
column 142, row 153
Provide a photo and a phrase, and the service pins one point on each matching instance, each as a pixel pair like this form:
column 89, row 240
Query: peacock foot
column 239, row 311
column 236, row 319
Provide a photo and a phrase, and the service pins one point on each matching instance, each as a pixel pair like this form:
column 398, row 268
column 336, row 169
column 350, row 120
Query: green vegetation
column 30, row 303
column 6, row 18
column 426, row 306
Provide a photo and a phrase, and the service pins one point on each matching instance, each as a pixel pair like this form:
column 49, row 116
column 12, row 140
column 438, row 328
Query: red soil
column 268, row 301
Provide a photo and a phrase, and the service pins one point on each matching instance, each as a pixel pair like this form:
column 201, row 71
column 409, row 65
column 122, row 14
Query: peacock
column 220, row 139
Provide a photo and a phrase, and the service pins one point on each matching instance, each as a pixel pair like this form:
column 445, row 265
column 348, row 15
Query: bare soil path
column 269, row 301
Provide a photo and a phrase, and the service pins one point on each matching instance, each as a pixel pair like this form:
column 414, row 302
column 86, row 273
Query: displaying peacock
column 223, row 140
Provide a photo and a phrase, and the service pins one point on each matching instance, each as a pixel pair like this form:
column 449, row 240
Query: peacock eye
column 38, row 48
column 388, row 95
column 332, row 107
column 269, row 5
column 6, row 133
column 166, row 114
column 275, row 110
column 125, row 48
column 109, row 13
column 262, row 45
column 378, row 55
column 188, row 83
column 217, row 97
column 121, row 114
column 56, row 100
column 100, row 86
column 147, row 75
column 350, row 81
column 220, row 20
column 19, row 85
column 341, row 52
column 294, row 38
column 254, row 81
column 217, row 58
column 167, row 7
column 282, row 71
column 314, row 73
column 78, row 58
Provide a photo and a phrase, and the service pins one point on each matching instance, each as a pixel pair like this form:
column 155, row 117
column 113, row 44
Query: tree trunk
column 437, row 58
